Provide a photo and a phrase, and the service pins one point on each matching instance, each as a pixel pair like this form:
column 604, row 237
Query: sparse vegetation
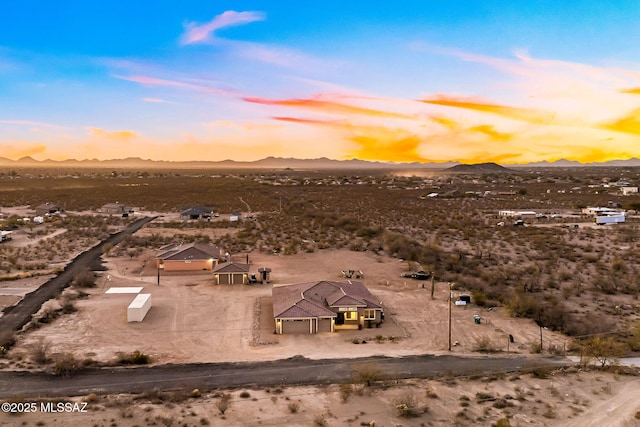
column 367, row 373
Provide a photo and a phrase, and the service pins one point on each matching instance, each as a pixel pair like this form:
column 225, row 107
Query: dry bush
column 39, row 351
column 484, row 345
column 7, row 340
column 406, row 406
column 223, row 403
column 84, row 279
column 367, row 373
column 66, row 365
column 134, row 358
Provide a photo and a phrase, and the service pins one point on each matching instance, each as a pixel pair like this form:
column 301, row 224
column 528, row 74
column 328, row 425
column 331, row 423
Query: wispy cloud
column 523, row 114
column 31, row 123
column 628, row 124
column 120, row 135
column 155, row 100
column 325, row 106
column 155, row 81
column 198, row 33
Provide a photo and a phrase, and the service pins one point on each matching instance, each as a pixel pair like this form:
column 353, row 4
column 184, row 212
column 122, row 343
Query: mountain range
column 283, row 163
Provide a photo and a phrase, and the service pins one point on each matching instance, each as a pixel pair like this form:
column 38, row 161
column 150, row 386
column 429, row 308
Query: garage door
column 223, row 279
column 238, row 278
column 324, row 325
column 295, row 326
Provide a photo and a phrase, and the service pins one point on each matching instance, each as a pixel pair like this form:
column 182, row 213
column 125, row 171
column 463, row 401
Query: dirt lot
column 193, row 320
column 572, row 399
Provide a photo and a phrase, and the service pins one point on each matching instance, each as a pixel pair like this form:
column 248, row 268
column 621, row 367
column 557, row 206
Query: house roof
column 116, row 205
column 316, row 298
column 192, row 251
column 49, row 205
column 196, row 210
column 231, row 267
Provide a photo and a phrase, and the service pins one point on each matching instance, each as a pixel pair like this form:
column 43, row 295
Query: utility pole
column 449, row 316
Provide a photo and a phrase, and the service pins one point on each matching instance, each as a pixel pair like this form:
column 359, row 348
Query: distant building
column 196, row 212
column 517, row 214
column 116, row 209
column 626, row 191
column 48, row 209
column 600, row 211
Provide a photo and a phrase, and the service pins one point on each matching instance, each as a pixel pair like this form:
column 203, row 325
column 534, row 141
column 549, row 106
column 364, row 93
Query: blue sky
column 426, row 81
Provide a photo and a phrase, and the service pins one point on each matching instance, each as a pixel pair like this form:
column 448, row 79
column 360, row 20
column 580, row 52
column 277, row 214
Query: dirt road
column 15, row 317
column 292, row 371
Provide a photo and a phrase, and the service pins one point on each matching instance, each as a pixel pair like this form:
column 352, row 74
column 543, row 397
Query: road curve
column 287, row 372
column 15, row 317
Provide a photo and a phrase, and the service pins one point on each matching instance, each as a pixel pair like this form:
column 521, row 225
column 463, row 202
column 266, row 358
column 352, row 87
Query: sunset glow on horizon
column 470, row 82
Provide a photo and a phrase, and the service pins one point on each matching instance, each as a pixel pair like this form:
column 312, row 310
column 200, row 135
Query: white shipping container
column 138, row 308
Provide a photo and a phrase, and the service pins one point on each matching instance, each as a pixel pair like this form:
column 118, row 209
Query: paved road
column 15, row 317
column 293, row 371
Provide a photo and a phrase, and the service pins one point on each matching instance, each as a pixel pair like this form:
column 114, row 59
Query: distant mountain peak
column 479, row 168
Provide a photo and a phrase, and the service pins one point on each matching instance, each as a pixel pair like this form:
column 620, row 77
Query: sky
column 510, row 82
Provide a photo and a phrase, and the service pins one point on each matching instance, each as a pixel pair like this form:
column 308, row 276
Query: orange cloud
column 522, row 114
column 327, row 107
column 633, row 91
column 491, row 132
column 628, row 124
column 120, row 135
column 15, row 152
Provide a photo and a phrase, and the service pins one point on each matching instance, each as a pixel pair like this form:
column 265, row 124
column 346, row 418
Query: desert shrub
column 479, row 298
column 7, row 340
column 39, row 351
column 245, row 394
column 366, row 373
column 406, row 406
column 603, row 349
column 84, row 279
column 67, row 306
column 503, row 422
column 294, row 407
column 66, row 365
column 134, row 358
column 223, row 403
column 319, row 420
column 345, row 392
column 484, row 345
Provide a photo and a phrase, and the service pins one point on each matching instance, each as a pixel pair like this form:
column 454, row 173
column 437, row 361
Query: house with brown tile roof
column 231, row 273
column 190, row 257
column 325, row 306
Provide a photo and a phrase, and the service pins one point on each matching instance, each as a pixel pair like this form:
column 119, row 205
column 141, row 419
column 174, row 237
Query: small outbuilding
column 231, row 274
column 139, row 308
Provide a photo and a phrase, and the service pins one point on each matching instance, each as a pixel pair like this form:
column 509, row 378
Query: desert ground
column 193, row 320
column 584, row 280
column 571, row 398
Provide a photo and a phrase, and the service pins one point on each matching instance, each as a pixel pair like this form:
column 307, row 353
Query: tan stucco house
column 325, row 306
column 190, row 257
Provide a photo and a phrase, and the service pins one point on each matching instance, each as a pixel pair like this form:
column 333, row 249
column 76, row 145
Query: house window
column 369, row 314
column 351, row 315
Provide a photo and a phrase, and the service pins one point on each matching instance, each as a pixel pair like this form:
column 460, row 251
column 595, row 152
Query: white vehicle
column 608, row 219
